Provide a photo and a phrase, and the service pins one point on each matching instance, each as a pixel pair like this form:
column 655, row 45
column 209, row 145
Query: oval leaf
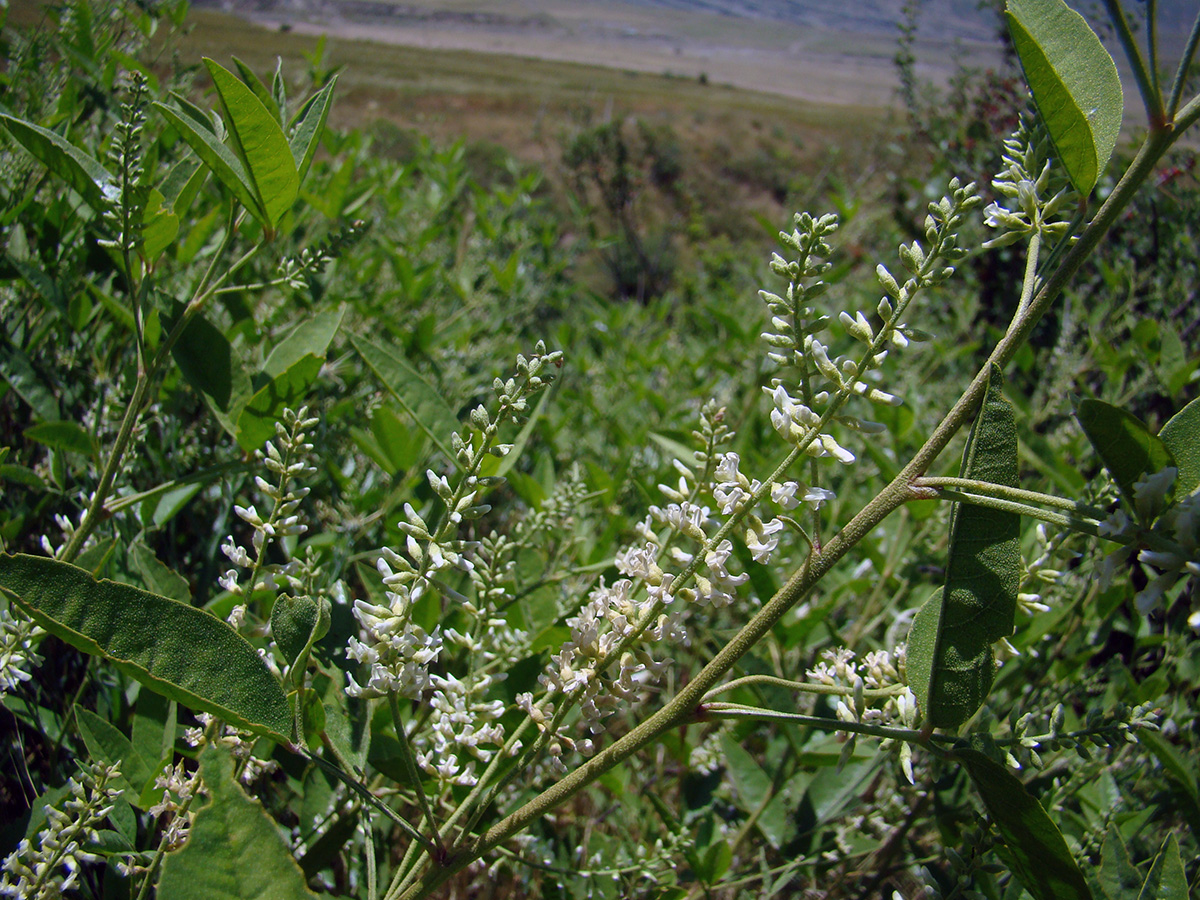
column 90, row 180
column 1181, row 437
column 1037, row 853
column 234, row 849
column 1124, row 444
column 950, row 643
column 259, row 142
column 177, row 650
column 294, row 622
column 1074, row 83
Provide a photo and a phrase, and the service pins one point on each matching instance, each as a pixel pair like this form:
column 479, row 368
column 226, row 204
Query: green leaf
column 18, row 371
column 68, row 436
column 259, row 142
column 1173, row 762
column 1118, row 878
column 313, row 335
column 108, row 745
column 207, row 361
column 183, row 653
column 91, row 181
column 294, row 622
column 260, row 90
column 754, row 791
column 1167, row 880
column 347, row 730
column 227, row 168
column 1037, row 853
column 308, row 125
column 160, row 226
column 234, row 849
column 155, row 576
column 153, row 737
column 418, row 397
column 1074, row 83
column 256, row 422
column 950, row 660
column 1124, row 444
column 1181, row 437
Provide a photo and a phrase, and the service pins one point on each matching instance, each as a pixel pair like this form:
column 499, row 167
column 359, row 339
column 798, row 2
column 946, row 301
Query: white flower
column 762, row 538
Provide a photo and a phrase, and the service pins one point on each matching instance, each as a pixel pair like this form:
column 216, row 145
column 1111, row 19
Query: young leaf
column 1181, row 437
column 347, row 731
column 160, row 226
column 418, row 397
column 1124, row 444
column 294, row 623
column 259, row 143
column 208, row 363
column 87, row 176
column 234, row 850
column 308, row 124
column 183, row 653
column 1074, row 84
column 1167, row 879
column 1037, row 853
column 950, row 659
column 220, row 161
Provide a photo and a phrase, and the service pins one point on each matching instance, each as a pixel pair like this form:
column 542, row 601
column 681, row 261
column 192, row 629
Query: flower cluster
column 397, row 651
column 35, row 869
column 17, row 637
column 285, row 463
column 461, row 721
column 611, row 615
column 178, row 789
column 1027, row 178
column 239, row 744
column 1099, row 730
column 878, row 670
column 1175, row 551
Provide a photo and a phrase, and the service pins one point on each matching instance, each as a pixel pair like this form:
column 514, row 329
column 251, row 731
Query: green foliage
column 417, row 605
column 950, row 660
column 234, row 851
column 1074, row 83
column 183, row 653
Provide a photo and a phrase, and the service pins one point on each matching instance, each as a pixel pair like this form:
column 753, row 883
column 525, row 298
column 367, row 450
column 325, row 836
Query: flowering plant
column 416, row 684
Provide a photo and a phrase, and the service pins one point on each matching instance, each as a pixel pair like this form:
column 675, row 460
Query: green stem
column 739, row 711
column 160, row 852
column 413, row 773
column 1181, row 74
column 804, row 687
column 1004, row 491
column 1030, row 281
column 1151, row 98
column 146, row 377
column 996, row 496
